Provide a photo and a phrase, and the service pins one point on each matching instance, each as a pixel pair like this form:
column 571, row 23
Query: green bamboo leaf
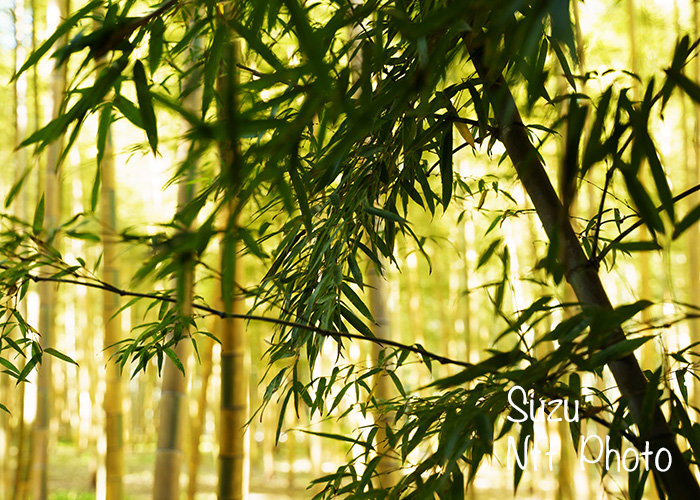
column 95, row 194
column 62, row 29
column 29, row 366
column 384, row 214
column 103, row 131
column 145, row 100
column 211, row 68
column 38, row 223
column 337, row 437
column 300, row 191
column 568, row 74
column 176, row 361
column 637, row 246
column 595, row 151
column 657, row 172
column 320, row 397
column 155, row 44
column 57, row 354
column 16, row 187
column 310, row 41
column 688, row 86
column 484, row 257
column 446, row 159
column 356, row 301
column 687, row 222
column 355, row 270
column 78, row 235
column 562, row 30
column 355, row 321
column 490, row 365
column 11, row 369
column 679, row 57
column 129, row 110
column 643, row 202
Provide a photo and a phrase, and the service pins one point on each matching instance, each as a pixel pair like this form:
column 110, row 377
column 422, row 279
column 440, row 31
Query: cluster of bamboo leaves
column 344, row 117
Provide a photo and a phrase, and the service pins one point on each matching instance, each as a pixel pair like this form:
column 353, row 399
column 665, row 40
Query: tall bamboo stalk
column 382, row 386
column 112, row 404
column 47, row 291
column 694, row 232
column 206, row 349
column 233, row 436
column 172, row 409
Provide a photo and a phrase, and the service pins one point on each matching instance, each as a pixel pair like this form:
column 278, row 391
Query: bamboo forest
column 354, row 249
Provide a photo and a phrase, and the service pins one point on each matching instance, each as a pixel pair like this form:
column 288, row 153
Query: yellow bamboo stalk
column 206, row 350
column 47, row 291
column 233, row 435
column 166, row 484
column 112, row 404
column 388, row 465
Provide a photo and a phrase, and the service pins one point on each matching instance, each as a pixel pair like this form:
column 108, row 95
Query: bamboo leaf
column 38, row 223
column 103, row 131
column 155, row 44
column 562, row 31
column 129, row 110
column 688, row 86
column 300, row 191
column 385, row 214
column 145, row 101
column 57, row 354
column 95, row 195
column 212, row 67
column 62, row 29
column 687, row 222
column 466, row 134
column 176, row 361
column 356, row 301
column 355, row 321
column 16, row 187
column 643, row 202
column 446, row 173
column 637, row 246
column 484, row 258
column 657, row 172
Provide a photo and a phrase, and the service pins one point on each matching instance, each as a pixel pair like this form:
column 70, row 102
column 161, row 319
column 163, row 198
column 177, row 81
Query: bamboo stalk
column 678, row 481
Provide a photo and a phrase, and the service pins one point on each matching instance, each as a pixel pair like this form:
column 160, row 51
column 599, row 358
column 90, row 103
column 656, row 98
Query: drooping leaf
column 618, row 350
column 643, row 202
column 155, row 44
column 59, row 355
column 16, row 187
column 103, row 131
column 446, row 161
column 687, row 222
column 175, row 360
column 38, row 223
column 145, row 100
column 212, row 67
column 562, row 29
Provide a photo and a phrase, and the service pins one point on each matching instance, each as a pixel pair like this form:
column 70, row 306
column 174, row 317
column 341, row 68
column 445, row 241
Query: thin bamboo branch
column 252, row 317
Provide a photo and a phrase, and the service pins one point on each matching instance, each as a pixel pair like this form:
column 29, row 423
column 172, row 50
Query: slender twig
column 637, row 224
column 594, row 247
column 416, row 349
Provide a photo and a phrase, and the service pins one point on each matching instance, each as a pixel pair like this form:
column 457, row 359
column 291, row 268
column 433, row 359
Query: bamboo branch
column 626, row 232
column 101, row 285
column 678, row 481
